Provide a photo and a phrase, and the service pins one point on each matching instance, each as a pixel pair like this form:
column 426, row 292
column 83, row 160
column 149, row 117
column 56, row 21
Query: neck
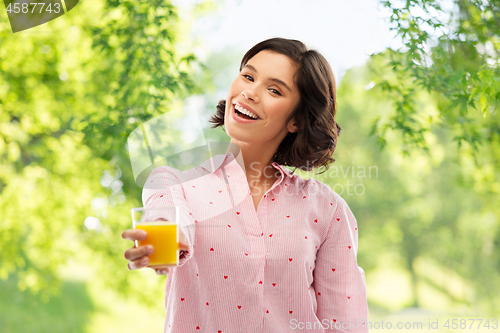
column 257, row 163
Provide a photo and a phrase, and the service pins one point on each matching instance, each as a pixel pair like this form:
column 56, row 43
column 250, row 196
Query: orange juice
column 163, row 237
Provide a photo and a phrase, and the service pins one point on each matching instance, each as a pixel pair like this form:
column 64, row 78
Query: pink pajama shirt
column 290, row 266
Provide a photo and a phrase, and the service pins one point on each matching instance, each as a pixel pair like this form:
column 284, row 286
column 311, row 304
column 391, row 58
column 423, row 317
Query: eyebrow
column 270, row 79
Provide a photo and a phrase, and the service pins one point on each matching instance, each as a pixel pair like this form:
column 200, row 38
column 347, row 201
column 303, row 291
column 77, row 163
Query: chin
column 237, row 137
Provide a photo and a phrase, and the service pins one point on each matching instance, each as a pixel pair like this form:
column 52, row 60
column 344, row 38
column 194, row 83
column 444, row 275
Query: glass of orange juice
column 161, row 225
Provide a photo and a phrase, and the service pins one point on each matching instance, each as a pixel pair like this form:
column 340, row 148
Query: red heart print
column 190, row 213
column 310, row 267
column 306, row 237
column 316, row 220
column 338, row 219
column 211, row 249
column 271, row 235
column 260, row 282
column 273, row 199
column 195, row 221
column 219, row 331
column 333, row 269
column 274, row 284
column 196, row 274
column 334, row 320
column 288, row 216
column 290, row 312
column 211, row 203
column 161, row 196
column 349, row 247
column 225, row 276
column 356, row 228
column 220, row 191
column 246, row 254
column 267, row 311
column 363, row 273
column 194, row 186
column 286, row 185
column 228, row 175
column 197, row 327
column 239, row 306
column 303, row 197
column 316, row 247
column 290, row 259
column 331, row 204
column 207, row 303
column 308, row 288
column 319, row 294
column 262, row 234
column 182, row 299
column 348, row 297
column 229, row 226
column 237, row 213
column 265, row 195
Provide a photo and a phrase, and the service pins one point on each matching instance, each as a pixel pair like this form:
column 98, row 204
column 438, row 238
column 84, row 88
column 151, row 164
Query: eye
column 250, row 78
column 276, row 91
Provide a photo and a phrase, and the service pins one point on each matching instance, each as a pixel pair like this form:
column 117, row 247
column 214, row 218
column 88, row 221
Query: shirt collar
column 284, row 170
column 214, row 163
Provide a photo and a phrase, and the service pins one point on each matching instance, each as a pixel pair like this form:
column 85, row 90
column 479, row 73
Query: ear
column 292, row 126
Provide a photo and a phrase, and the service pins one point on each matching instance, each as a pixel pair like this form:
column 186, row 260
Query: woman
column 289, row 260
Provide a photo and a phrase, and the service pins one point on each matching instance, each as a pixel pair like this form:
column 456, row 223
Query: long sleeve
column 338, row 281
column 163, row 188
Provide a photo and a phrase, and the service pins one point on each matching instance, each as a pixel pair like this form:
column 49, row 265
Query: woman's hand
column 138, row 256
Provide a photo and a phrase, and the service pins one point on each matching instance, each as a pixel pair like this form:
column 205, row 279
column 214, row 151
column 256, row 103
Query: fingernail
column 150, row 249
column 145, row 261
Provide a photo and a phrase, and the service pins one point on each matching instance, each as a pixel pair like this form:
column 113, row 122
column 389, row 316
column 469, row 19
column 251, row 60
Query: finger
column 134, row 234
column 182, row 237
column 183, row 246
column 162, row 271
column 139, row 263
column 139, row 252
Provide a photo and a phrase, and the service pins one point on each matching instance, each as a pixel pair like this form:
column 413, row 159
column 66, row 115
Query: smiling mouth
column 244, row 116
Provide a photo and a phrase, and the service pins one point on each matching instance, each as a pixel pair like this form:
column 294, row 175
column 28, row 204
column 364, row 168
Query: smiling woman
column 310, row 80
column 264, row 251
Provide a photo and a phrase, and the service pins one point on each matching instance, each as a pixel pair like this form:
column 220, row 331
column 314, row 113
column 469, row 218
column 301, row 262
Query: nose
column 249, row 94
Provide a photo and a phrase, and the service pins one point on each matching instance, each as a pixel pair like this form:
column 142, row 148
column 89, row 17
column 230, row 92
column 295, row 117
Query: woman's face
column 264, row 87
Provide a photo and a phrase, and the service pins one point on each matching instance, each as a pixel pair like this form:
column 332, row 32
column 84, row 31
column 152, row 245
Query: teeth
column 245, row 111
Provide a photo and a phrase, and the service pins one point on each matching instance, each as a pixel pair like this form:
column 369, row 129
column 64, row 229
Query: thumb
column 183, row 246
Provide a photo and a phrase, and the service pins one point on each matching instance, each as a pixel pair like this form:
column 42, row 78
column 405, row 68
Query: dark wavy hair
column 313, row 144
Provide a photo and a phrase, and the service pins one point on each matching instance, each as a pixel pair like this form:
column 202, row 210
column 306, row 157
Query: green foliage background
column 424, row 117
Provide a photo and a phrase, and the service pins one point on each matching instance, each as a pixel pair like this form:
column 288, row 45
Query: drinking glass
column 161, row 225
